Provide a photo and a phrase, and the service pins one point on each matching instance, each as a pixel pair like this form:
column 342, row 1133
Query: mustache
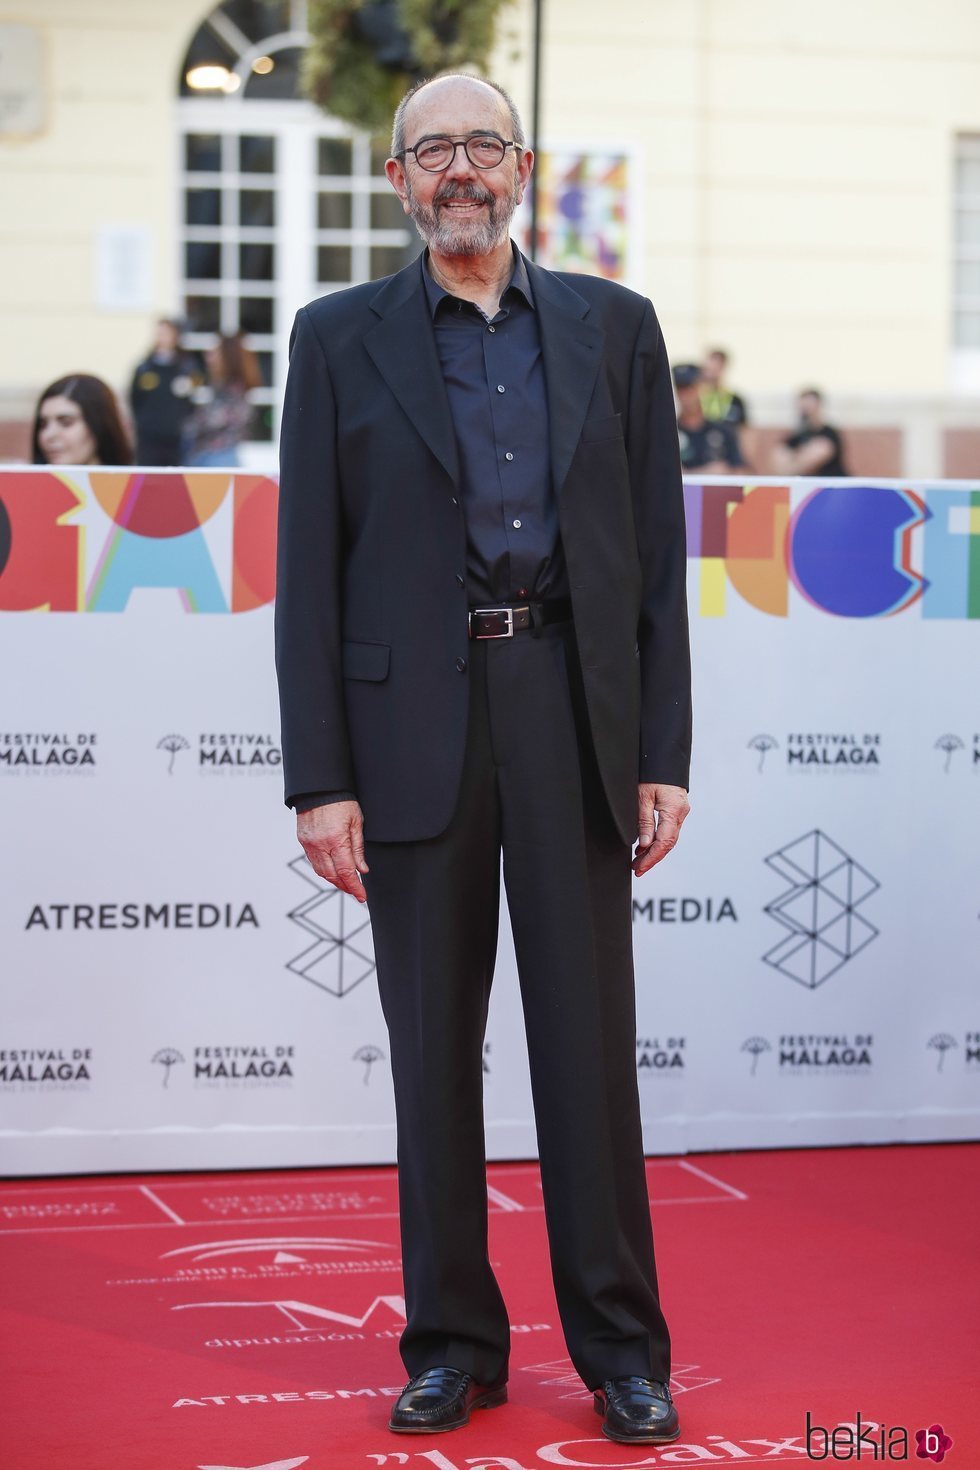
column 463, row 194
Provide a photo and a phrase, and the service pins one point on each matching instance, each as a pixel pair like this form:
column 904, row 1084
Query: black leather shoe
column 637, row 1411
column 441, row 1398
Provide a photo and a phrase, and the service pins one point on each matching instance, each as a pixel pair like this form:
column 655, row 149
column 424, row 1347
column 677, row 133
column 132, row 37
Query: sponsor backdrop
column 181, row 991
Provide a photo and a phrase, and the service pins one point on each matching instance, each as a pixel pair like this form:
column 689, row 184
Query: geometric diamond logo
column 819, row 909
column 342, row 954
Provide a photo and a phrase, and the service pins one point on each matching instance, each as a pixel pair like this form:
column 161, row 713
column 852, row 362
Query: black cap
column 686, row 374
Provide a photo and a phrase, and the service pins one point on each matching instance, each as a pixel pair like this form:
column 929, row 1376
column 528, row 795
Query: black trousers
column 530, row 788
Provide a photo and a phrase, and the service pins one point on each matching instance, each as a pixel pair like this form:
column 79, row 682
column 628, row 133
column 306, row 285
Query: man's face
column 465, row 210
column 689, row 399
column 165, row 338
column 714, row 367
column 809, row 405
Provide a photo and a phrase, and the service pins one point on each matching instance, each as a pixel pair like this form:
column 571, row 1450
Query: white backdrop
column 179, row 989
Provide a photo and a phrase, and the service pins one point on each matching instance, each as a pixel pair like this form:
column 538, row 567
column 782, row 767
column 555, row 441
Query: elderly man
column 482, row 648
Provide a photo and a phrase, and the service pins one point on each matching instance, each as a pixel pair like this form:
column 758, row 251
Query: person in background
column 711, row 447
column 78, row 421
column 718, row 401
column 816, row 448
column 217, row 426
column 161, row 397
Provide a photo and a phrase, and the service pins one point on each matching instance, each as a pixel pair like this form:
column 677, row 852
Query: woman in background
column 77, row 421
column 217, row 427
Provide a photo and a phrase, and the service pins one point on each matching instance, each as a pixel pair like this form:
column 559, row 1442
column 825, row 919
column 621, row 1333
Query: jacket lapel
column 571, row 349
column 403, row 348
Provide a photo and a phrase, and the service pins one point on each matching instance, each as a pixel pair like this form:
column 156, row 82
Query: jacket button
column 460, row 581
column 455, row 501
column 461, row 665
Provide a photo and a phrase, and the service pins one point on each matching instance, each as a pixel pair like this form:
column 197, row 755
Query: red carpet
column 174, row 1323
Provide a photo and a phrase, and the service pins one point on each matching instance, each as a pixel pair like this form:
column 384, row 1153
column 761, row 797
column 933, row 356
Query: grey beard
column 444, row 236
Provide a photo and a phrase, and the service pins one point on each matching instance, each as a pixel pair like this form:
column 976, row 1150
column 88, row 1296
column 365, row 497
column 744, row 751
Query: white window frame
column 297, row 127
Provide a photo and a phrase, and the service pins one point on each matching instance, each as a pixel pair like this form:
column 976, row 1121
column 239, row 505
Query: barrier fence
column 181, row 991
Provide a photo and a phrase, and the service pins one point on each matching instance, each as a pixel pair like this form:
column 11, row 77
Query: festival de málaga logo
column 224, row 752
column 46, row 1069
column 830, row 1053
column 48, row 752
column 237, row 1064
column 819, row 751
column 660, row 1057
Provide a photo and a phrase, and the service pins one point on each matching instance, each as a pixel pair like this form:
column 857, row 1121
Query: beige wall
column 106, row 155
column 795, row 174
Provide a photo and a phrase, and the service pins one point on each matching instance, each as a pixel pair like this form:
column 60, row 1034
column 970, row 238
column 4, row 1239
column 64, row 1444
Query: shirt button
column 517, row 525
column 522, row 591
column 508, row 455
column 501, row 388
column 460, row 581
column 461, row 665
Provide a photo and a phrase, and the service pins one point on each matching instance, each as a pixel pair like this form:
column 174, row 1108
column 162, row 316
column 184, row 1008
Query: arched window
column 278, row 202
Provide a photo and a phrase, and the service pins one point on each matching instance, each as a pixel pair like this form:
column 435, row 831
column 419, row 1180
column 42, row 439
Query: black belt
column 504, row 622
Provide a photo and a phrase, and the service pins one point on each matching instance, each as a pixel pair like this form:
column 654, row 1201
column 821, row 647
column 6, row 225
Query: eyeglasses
column 435, row 155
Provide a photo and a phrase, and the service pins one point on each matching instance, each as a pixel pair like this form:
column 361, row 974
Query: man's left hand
column 658, row 833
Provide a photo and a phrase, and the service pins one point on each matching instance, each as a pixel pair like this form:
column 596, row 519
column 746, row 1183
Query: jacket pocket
column 609, row 427
column 365, row 660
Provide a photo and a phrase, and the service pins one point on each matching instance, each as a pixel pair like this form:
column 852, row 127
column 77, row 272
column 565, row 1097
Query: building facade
column 798, row 184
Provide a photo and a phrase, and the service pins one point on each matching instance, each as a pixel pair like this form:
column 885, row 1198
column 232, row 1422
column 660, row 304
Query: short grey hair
column 398, row 125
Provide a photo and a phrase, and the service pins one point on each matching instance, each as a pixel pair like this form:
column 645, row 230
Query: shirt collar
column 436, row 294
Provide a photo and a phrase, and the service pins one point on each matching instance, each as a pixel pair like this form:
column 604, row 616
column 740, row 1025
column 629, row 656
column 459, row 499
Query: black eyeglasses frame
column 464, row 144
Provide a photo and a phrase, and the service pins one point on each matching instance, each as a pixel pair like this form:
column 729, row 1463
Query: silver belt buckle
column 507, row 612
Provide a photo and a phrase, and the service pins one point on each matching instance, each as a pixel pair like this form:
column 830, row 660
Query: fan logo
column 48, row 752
column 656, row 1058
column 367, row 1056
column 166, row 1058
column 950, row 745
column 968, row 1049
column 819, row 909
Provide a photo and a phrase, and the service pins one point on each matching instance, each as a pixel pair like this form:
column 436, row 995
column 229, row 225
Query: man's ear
column 395, row 174
column 525, row 164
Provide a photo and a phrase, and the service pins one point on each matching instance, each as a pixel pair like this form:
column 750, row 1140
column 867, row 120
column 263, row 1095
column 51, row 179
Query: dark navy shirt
column 494, row 379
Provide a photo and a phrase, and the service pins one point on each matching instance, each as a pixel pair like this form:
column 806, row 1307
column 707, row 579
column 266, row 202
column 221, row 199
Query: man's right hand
column 332, row 837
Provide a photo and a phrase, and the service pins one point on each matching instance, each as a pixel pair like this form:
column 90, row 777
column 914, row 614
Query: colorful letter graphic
column 148, row 529
column 86, row 541
column 851, row 547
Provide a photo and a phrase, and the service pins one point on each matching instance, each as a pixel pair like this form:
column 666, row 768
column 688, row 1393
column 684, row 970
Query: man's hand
column 671, row 806
column 332, row 837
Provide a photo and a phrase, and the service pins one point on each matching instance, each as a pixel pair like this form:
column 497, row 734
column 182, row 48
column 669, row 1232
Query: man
column 160, row 397
column 717, row 399
column 482, row 647
column 709, row 447
column 816, row 448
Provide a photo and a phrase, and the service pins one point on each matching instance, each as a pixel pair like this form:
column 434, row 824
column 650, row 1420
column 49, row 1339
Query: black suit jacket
column 371, row 627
